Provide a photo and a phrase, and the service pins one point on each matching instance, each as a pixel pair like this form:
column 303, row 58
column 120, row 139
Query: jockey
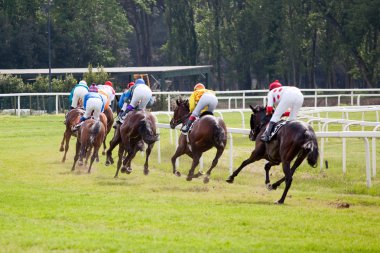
column 108, row 89
column 200, row 100
column 78, row 92
column 93, row 104
column 124, row 100
column 140, row 96
column 284, row 98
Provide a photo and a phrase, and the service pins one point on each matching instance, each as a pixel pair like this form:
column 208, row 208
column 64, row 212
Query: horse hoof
column 278, row 202
column 230, row 180
column 177, row 173
column 270, row 187
column 128, row 170
column 123, row 169
column 146, row 172
column 206, row 180
column 108, row 163
column 61, row 149
column 189, row 178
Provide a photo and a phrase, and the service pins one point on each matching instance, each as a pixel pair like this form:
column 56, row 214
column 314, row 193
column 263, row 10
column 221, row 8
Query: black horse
column 295, row 139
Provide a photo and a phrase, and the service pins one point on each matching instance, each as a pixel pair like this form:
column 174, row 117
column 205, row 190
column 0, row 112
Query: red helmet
column 109, row 83
column 275, row 85
column 199, row 86
column 130, row 84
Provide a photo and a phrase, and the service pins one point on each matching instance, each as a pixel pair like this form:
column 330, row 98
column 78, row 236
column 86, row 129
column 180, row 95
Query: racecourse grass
column 46, row 207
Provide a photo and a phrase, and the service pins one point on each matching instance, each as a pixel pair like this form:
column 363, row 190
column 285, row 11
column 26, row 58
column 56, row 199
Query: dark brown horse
column 139, row 127
column 109, row 114
column 90, row 137
column 72, row 118
column 295, row 140
column 207, row 132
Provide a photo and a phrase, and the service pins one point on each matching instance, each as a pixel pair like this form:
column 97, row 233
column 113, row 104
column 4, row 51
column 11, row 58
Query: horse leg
column 296, row 164
column 120, row 154
column 82, row 153
column 219, row 153
column 195, row 163
column 181, row 149
column 148, row 151
column 61, row 149
column 128, row 160
column 254, row 157
column 77, row 147
column 104, row 147
column 67, row 136
column 113, row 143
column 288, row 181
column 94, row 155
column 88, row 153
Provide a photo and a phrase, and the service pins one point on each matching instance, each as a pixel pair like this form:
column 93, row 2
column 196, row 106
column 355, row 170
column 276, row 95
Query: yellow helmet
column 199, row 86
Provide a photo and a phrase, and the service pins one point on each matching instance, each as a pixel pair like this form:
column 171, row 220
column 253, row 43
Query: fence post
column 18, row 106
column 315, row 99
column 231, row 153
column 56, row 104
column 168, row 102
column 243, row 99
column 367, row 163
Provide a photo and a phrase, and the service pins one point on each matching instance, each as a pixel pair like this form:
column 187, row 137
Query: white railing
column 229, row 96
column 344, row 134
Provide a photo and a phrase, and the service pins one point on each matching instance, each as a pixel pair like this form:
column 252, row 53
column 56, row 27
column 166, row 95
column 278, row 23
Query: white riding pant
column 93, row 105
column 207, row 99
column 292, row 100
column 79, row 93
column 141, row 96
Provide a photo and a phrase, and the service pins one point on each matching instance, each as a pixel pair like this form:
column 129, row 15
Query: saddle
column 276, row 128
column 191, row 127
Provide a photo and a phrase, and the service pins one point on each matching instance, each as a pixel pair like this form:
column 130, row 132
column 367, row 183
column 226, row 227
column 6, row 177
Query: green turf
column 46, row 207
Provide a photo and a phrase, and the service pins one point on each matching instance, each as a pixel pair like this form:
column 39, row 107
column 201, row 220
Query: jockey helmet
column 275, row 85
column 199, row 86
column 83, row 82
column 140, row 81
column 109, row 83
column 93, row 88
column 130, row 84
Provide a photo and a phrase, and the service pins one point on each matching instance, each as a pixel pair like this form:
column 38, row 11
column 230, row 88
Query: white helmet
column 83, row 82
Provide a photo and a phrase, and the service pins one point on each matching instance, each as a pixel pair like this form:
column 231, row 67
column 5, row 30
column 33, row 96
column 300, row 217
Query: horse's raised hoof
column 128, row 170
column 123, row 169
column 146, row 172
column 199, row 174
column 230, row 180
column 177, row 173
column 61, row 149
column 270, row 187
column 206, row 180
column 108, row 163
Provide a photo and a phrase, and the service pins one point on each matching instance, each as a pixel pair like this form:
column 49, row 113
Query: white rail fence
column 242, row 96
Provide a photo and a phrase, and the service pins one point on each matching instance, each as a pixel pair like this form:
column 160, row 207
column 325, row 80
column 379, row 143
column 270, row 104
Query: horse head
column 181, row 113
column 258, row 120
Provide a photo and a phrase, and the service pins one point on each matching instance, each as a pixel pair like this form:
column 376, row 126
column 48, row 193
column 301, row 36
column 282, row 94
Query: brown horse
column 139, row 127
column 72, row 118
column 109, row 114
column 90, row 136
column 207, row 132
column 295, row 140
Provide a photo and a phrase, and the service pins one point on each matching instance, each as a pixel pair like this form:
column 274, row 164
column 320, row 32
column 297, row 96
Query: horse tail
column 220, row 135
column 94, row 130
column 145, row 130
column 311, row 146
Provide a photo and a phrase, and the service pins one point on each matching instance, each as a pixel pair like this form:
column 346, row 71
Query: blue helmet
column 140, row 81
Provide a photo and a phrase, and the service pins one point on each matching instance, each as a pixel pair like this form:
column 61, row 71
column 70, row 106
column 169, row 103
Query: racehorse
column 206, row 132
column 72, row 118
column 90, row 136
column 139, row 127
column 109, row 114
column 294, row 140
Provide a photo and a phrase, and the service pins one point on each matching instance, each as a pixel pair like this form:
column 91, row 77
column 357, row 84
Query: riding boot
column 77, row 126
column 268, row 131
column 124, row 114
column 188, row 124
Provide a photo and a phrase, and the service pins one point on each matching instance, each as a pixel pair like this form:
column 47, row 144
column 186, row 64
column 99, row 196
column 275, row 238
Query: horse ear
column 252, row 108
column 177, row 101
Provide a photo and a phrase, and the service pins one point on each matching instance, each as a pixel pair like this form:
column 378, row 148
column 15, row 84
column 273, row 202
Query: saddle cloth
column 276, row 128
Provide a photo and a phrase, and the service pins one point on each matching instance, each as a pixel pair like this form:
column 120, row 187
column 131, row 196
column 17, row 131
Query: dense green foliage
column 45, row 207
column 308, row 43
